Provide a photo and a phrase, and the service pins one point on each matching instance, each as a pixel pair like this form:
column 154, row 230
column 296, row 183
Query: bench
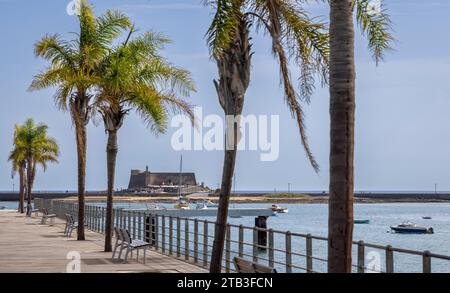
column 249, row 267
column 46, row 216
column 124, row 241
column 70, row 225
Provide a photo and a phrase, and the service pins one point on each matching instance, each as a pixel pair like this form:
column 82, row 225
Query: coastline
column 259, row 199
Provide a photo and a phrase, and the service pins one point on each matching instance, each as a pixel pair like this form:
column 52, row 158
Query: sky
column 402, row 121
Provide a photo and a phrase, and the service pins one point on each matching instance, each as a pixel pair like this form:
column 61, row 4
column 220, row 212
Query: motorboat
column 155, row 207
column 278, row 209
column 411, row 228
column 201, row 206
column 426, row 218
column 182, row 205
column 2, row 208
column 361, row 221
column 208, row 204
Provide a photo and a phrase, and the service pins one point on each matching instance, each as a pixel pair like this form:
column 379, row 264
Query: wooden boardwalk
column 28, row 246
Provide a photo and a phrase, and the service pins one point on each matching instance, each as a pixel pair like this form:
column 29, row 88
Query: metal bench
column 46, row 216
column 249, row 267
column 124, row 241
column 70, row 225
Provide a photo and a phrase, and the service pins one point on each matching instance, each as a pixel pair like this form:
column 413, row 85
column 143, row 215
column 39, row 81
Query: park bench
column 46, row 216
column 249, row 267
column 70, row 225
column 124, row 242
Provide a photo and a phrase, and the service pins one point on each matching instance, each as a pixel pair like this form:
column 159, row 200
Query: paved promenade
column 28, row 246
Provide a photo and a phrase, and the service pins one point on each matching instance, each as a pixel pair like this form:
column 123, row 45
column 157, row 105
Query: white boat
column 209, row 204
column 278, row 209
column 201, row 206
column 411, row 228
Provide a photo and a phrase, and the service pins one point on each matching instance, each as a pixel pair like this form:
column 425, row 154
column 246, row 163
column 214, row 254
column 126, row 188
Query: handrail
column 191, row 240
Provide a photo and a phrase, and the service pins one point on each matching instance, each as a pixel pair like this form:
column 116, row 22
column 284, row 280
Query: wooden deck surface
column 28, row 246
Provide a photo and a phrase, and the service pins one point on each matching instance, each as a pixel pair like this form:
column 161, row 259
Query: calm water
column 313, row 219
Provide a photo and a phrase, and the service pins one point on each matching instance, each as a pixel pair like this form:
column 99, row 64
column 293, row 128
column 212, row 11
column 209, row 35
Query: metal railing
column 191, row 240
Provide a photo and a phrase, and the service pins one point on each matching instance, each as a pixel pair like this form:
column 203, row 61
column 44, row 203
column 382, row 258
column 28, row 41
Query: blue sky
column 403, row 121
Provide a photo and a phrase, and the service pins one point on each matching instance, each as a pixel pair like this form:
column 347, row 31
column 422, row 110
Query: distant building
column 163, row 181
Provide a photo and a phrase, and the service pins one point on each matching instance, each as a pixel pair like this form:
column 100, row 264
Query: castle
column 164, row 182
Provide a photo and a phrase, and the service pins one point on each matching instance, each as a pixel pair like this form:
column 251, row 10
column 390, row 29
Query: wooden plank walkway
column 28, row 246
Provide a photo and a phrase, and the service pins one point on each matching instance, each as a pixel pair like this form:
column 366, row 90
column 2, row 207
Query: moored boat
column 278, row 209
column 361, row 221
column 411, row 228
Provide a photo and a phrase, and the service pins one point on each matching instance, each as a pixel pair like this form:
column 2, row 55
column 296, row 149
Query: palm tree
column 295, row 36
column 376, row 24
column 73, row 71
column 135, row 77
column 18, row 161
column 34, row 147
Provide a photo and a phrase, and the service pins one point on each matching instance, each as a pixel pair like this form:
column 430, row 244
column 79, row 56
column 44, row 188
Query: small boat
column 208, row 204
column 182, row 205
column 155, row 207
column 361, row 221
column 202, row 206
column 2, row 208
column 411, row 228
column 426, row 218
column 278, row 209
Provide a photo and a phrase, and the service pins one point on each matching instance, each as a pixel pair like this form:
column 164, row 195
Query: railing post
column 104, row 220
column 97, row 219
column 122, row 219
column 361, row 256
column 288, row 253
column 170, row 235
column 178, row 237
column 140, row 215
column 186, row 239
column 205, row 243
column 129, row 222
column 134, row 224
column 241, row 241
column 195, row 241
column 228, row 249
column 156, row 232
column 163, row 234
column 389, row 260
column 426, row 262
column 271, row 249
column 309, row 254
column 255, row 244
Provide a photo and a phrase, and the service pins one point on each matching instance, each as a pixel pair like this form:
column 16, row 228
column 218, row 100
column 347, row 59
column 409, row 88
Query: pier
column 28, row 246
column 190, row 240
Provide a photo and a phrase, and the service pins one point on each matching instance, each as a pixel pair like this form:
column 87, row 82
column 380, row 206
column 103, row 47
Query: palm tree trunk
column 81, row 138
column 111, row 153
column 21, row 189
column 234, row 73
column 29, row 184
column 342, row 114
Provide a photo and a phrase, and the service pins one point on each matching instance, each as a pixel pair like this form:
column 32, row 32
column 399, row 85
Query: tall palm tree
column 136, row 77
column 73, row 71
column 18, row 161
column 376, row 24
column 295, row 36
column 35, row 147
